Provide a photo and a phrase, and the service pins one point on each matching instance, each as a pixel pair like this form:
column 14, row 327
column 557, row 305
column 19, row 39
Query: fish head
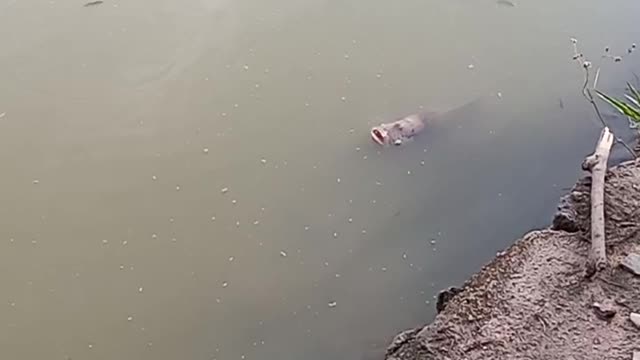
column 380, row 135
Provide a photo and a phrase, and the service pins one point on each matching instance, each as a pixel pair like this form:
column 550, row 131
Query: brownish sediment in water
column 533, row 301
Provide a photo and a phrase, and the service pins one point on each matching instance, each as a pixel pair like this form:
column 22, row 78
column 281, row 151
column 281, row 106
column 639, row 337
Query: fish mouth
column 379, row 136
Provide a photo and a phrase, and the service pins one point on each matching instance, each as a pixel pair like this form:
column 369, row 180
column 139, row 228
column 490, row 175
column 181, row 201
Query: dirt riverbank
column 533, row 300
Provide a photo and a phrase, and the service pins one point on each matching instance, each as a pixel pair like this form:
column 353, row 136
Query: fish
column 405, row 129
column 398, row 131
column 93, row 3
column 401, row 130
column 506, row 3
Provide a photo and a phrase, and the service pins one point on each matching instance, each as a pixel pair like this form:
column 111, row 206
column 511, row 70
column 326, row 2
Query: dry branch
column 596, row 163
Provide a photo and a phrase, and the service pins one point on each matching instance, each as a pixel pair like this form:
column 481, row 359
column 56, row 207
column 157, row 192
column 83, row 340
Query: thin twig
column 613, row 283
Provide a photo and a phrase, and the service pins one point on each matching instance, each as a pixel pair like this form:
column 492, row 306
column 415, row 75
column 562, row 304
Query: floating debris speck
column 225, row 284
column 130, row 318
column 2, row 115
column 154, row 236
column 205, row 150
column 383, row 268
column 264, row 161
column 36, row 182
column 177, row 187
column 246, row 67
column 231, row 258
column 105, row 241
column 213, row 218
column 404, row 256
column 350, row 220
column 140, row 289
column 338, row 180
column 234, row 201
column 224, row 190
column 283, row 254
column 154, row 177
column 499, row 95
column 471, row 66
column 343, row 98
column 335, row 235
column 332, row 304
column 421, row 163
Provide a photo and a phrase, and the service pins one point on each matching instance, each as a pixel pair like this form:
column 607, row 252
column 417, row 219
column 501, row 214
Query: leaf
column 634, row 101
column 628, row 110
column 634, row 92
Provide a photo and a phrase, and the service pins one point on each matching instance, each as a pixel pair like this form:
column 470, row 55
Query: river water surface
column 195, row 179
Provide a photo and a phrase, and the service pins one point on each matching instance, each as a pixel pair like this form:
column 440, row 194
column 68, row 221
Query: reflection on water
column 196, row 180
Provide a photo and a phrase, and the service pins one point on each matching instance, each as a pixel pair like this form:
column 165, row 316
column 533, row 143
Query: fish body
column 400, row 130
column 93, row 3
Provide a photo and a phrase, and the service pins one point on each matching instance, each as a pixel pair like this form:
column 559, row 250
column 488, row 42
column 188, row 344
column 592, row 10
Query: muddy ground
column 533, row 300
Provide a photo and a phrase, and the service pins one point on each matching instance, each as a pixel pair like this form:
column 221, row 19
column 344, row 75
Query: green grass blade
column 634, row 101
column 634, row 93
column 625, row 109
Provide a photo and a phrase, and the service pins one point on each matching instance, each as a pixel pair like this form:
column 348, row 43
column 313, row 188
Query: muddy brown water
column 124, row 121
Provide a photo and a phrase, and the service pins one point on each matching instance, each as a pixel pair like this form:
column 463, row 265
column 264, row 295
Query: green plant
column 630, row 108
